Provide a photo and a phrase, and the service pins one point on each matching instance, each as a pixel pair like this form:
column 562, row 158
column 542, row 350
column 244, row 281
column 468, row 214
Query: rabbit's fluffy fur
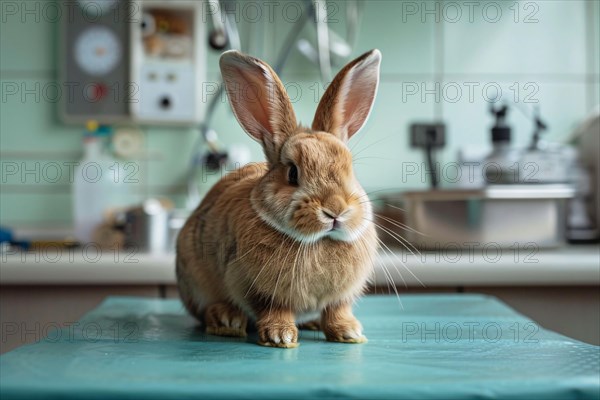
column 292, row 237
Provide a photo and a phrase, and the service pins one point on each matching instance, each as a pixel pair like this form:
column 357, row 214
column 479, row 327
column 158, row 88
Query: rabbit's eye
column 293, row 175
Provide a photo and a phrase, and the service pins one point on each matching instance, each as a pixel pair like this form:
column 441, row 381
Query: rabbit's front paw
column 277, row 328
column 346, row 331
column 339, row 325
column 278, row 334
column 223, row 319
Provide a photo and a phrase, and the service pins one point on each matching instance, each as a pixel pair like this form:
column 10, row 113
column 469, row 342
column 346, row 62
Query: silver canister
column 147, row 227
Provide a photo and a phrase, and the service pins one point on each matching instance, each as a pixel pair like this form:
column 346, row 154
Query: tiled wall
column 440, row 61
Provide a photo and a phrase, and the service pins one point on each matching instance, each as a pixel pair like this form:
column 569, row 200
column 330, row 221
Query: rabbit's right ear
column 258, row 100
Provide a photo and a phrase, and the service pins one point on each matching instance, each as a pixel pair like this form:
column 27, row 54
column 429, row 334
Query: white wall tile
column 382, row 150
column 547, row 37
column 593, row 38
column 28, row 36
column 17, row 209
column 29, row 117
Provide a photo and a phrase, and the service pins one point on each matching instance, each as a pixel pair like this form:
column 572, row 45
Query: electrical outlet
column 424, row 135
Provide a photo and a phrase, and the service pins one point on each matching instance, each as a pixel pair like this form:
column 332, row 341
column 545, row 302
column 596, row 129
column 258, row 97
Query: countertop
column 570, row 265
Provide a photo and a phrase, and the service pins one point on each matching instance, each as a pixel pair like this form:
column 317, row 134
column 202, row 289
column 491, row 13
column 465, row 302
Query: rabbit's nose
column 334, row 206
column 335, row 218
column 329, row 214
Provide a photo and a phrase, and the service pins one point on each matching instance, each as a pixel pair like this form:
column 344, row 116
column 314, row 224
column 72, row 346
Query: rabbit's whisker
column 399, row 224
column 386, row 249
column 390, row 279
column 373, row 191
column 401, row 263
column 396, row 207
column 400, row 239
column 371, row 144
column 375, row 157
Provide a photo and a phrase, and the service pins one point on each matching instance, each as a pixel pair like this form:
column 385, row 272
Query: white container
column 87, row 191
column 99, row 184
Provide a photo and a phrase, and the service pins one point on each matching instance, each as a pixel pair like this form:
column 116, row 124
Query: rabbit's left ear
column 347, row 102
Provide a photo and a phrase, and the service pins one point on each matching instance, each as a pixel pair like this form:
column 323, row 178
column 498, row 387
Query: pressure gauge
column 97, row 50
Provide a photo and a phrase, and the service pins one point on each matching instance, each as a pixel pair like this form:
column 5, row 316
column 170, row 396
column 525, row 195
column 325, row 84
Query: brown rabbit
column 292, row 238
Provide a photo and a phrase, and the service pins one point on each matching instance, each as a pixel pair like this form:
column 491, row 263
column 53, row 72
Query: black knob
column 217, row 39
column 165, row 102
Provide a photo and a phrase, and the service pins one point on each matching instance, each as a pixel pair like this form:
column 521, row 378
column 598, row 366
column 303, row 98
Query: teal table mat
column 421, row 347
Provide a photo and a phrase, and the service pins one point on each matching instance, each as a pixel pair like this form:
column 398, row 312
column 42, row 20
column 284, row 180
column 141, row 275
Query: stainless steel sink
column 499, row 216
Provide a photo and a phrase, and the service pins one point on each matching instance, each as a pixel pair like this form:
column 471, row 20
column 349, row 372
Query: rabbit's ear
column 348, row 100
column 259, row 101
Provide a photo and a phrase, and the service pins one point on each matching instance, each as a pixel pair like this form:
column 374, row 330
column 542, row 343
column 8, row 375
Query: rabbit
column 278, row 242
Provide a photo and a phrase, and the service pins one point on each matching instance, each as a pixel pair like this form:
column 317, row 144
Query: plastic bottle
column 99, row 183
column 87, row 190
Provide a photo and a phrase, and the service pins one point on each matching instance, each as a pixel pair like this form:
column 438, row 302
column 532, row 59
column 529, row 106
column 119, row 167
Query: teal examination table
column 429, row 347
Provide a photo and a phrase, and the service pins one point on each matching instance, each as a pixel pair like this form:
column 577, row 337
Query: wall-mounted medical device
column 167, row 61
column 132, row 60
column 94, row 61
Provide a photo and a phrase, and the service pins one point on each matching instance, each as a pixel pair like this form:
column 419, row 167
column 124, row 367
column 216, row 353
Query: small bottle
column 501, row 166
column 88, row 186
column 100, row 183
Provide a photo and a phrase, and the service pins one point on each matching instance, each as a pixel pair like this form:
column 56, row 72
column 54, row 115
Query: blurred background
column 481, row 153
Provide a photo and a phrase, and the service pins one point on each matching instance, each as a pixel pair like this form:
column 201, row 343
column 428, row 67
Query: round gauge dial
column 97, row 51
